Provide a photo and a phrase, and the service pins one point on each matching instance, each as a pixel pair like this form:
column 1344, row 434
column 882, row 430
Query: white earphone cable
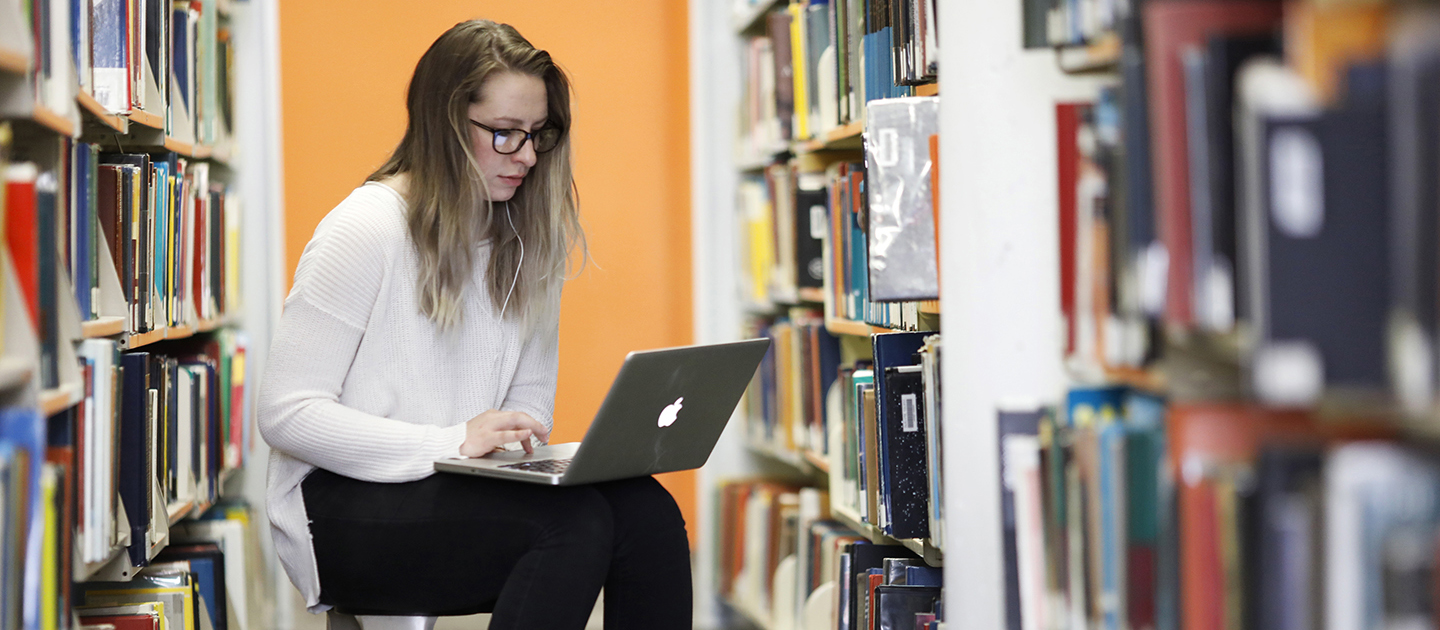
column 511, row 221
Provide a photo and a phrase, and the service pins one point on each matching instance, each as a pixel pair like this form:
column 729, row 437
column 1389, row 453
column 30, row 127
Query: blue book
column 181, row 56
column 24, row 429
column 111, row 55
column 893, row 350
column 136, row 468
column 1113, row 547
column 11, row 573
column 904, row 475
column 160, row 275
column 46, row 199
column 207, row 563
column 1100, row 410
column 80, row 254
column 924, row 576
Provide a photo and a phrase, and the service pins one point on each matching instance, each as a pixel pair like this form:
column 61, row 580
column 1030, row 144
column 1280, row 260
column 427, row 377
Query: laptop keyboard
column 550, row 466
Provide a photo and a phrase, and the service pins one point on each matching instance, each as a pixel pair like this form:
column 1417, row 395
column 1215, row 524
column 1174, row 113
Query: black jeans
column 536, row 556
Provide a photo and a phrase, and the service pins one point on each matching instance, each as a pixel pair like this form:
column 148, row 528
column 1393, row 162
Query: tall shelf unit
column 1234, row 380
column 84, row 331
column 767, row 165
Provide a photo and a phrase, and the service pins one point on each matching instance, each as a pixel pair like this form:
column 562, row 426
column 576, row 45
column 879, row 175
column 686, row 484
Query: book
column 22, row 233
column 901, row 248
column 207, row 563
column 898, row 605
column 175, row 591
column 905, row 477
column 47, row 198
column 137, row 451
column 1169, row 28
column 144, row 616
column 1414, row 75
column 1216, row 280
column 1019, row 458
column 1323, row 240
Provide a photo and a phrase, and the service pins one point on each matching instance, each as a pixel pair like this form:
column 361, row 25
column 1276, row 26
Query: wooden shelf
column 848, row 136
column 89, row 105
column 922, row 548
column 103, row 327
column 53, row 401
column 207, row 325
column 140, row 117
column 53, row 120
column 179, row 510
column 849, row 327
column 818, row 461
column 1103, row 55
column 183, row 148
column 14, row 61
column 135, row 340
column 812, row 294
column 754, row 163
column 159, row 334
column 927, row 89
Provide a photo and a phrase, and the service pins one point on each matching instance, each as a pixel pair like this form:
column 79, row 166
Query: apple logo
column 667, row 415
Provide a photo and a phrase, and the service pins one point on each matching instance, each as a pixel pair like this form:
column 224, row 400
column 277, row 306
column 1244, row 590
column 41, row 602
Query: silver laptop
column 664, row 412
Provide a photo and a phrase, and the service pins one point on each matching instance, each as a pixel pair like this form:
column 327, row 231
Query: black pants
column 535, row 556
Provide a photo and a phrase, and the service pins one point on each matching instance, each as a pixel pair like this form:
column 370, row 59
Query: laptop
column 664, row 412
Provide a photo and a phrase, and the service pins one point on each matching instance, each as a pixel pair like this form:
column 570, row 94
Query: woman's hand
column 488, row 431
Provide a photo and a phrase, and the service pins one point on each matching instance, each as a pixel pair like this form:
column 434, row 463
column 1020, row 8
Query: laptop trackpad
column 552, row 451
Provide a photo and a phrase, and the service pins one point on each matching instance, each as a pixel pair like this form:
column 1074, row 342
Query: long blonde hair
column 447, row 198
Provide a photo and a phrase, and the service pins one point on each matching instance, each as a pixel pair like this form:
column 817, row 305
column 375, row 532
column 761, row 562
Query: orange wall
column 345, row 67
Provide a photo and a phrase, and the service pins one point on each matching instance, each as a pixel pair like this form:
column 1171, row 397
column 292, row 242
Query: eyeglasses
column 508, row 141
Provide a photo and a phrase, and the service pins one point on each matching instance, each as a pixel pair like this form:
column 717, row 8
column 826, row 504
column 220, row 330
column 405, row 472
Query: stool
column 341, row 621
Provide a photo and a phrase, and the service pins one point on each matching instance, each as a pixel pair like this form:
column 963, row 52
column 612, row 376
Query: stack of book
column 812, row 65
column 122, row 383
column 1247, row 274
column 785, row 562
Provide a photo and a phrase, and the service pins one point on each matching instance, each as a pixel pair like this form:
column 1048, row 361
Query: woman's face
column 514, row 101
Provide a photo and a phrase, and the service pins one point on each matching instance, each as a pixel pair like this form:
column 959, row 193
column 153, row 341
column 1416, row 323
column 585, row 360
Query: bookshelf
column 96, row 195
column 776, row 171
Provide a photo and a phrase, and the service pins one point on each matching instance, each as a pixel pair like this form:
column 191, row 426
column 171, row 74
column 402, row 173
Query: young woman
column 424, row 323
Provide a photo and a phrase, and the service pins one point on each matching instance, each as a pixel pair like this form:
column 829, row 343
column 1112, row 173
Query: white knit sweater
column 361, row 383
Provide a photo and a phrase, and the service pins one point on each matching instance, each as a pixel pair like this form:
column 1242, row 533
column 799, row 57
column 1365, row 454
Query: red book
column 1171, row 27
column 110, row 204
column 198, row 252
column 124, row 622
column 874, row 580
column 1210, row 437
column 1067, row 153
column 22, row 233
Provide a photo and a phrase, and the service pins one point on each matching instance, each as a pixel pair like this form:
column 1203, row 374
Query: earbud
column 511, row 221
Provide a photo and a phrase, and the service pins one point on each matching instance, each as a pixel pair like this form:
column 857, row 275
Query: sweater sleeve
column 299, row 412
column 533, row 388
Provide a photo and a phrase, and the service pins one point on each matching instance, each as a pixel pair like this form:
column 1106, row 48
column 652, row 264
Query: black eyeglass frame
column 529, row 135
